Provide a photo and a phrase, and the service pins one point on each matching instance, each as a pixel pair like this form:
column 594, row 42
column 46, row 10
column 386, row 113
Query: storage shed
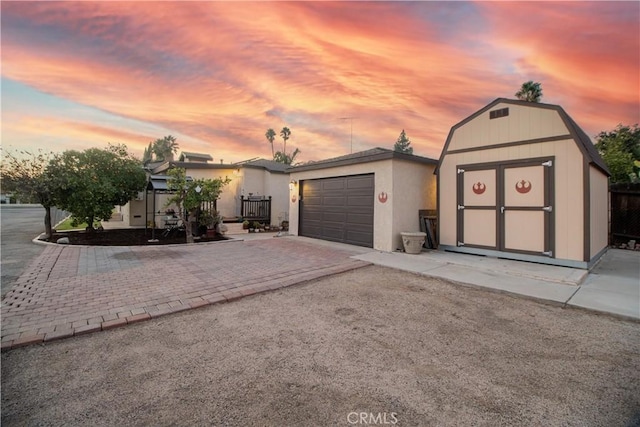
column 521, row 180
column 366, row 198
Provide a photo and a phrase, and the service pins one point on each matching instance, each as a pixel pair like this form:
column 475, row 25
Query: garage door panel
column 364, row 182
column 334, row 201
column 338, row 209
column 360, row 239
column 364, row 200
column 333, row 184
column 359, row 218
column 312, row 200
column 339, row 217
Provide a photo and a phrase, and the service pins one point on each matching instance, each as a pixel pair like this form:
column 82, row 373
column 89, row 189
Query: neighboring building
column 255, row 178
column 521, row 180
column 366, row 198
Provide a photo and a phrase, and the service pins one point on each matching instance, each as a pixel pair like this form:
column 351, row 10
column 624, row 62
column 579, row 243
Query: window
column 495, row 114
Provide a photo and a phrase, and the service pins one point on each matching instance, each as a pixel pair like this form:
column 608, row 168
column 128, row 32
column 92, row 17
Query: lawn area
column 66, row 225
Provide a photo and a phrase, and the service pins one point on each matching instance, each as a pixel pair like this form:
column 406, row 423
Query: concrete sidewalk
column 613, row 286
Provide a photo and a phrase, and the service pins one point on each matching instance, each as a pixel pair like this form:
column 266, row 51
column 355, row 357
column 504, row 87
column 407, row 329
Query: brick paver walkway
column 75, row 290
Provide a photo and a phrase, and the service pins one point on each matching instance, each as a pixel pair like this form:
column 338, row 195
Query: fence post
column 242, row 206
column 269, row 210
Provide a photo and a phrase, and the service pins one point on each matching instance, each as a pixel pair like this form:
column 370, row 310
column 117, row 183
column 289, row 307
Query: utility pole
column 351, row 119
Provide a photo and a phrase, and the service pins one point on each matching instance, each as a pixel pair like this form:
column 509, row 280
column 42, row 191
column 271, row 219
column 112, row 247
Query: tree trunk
column 90, row 224
column 188, row 231
column 47, row 222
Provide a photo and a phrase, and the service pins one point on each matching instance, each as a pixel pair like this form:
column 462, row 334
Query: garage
column 339, row 209
column 366, row 198
column 521, row 180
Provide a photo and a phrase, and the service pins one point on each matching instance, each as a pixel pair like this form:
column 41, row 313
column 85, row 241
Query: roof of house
column 579, row 136
column 372, row 155
column 269, row 165
column 199, row 156
column 160, row 182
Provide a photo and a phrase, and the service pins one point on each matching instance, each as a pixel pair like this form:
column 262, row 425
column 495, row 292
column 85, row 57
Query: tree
column 285, row 133
column 28, row 178
column 620, row 149
column 402, row 145
column 281, row 157
column 189, row 195
column 271, row 135
column 89, row 183
column 165, row 148
column 147, row 155
column 530, row 91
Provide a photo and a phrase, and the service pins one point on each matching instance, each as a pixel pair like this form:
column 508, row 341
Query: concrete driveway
column 72, row 290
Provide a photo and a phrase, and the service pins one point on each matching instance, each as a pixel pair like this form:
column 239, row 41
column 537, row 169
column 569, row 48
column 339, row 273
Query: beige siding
column 598, row 210
column 523, row 123
column 568, row 206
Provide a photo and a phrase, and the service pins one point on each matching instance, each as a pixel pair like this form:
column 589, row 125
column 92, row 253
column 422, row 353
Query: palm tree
column 281, row 157
column 285, row 133
column 271, row 134
column 530, row 91
column 165, row 148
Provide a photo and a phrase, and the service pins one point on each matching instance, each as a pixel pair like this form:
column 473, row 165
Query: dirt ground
column 129, row 237
column 397, row 347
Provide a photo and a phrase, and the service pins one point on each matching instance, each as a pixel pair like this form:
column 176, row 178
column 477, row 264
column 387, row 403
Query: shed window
column 503, row 112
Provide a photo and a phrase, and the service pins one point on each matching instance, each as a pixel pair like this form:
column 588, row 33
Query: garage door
column 339, row 209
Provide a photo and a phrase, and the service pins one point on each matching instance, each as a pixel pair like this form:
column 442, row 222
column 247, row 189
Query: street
column 20, row 224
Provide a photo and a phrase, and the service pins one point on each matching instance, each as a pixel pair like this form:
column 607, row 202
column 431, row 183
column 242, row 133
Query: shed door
column 526, row 208
column 507, row 207
column 339, row 209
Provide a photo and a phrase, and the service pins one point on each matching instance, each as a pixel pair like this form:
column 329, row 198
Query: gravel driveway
column 393, row 346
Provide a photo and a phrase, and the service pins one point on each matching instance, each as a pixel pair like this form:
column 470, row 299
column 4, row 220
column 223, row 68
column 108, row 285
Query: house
column 254, row 179
column 521, row 180
column 366, row 198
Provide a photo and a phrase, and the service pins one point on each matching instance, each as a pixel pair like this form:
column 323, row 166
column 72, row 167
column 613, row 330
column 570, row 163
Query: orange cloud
column 219, row 74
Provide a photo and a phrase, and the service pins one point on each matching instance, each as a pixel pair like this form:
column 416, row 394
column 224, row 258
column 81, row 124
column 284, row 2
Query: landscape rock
column 63, row 241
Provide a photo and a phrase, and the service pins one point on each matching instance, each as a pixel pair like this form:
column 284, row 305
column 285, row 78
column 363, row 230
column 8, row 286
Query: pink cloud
column 222, row 73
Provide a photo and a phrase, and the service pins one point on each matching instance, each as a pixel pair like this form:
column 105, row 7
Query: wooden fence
column 625, row 212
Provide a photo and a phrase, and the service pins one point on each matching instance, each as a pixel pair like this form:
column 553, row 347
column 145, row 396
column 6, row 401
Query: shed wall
column 599, row 210
column 523, row 123
column 568, row 188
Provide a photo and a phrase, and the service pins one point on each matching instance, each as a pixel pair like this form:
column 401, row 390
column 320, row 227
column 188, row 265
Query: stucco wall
column 569, row 190
column 414, row 188
column 599, row 204
column 383, row 181
column 277, row 186
column 228, row 202
column 408, row 187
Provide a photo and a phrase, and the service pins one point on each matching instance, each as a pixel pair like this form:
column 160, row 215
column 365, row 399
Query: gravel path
column 392, row 345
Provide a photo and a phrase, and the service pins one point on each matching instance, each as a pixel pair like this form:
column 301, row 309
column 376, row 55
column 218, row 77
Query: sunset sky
column 217, row 75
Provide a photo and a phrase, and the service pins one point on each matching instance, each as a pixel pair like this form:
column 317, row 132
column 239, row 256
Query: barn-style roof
column 579, row 136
